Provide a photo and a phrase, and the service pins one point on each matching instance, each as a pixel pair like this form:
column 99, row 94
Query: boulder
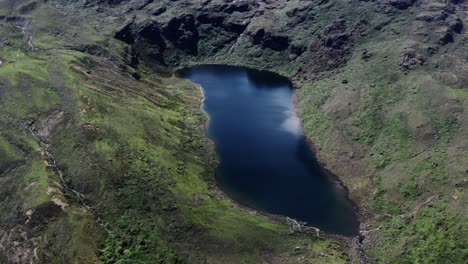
column 410, row 57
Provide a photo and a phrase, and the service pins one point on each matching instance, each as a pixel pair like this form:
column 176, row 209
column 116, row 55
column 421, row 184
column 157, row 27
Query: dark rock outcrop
column 126, row 34
column 150, row 33
column 146, row 32
column 183, row 33
column 437, row 23
column 146, row 41
column 335, row 36
column 393, row 6
column 297, row 50
column 237, row 7
column 399, row 4
column 432, row 16
column 455, row 24
column 44, row 213
column 299, row 15
column 26, row 8
column 445, row 35
column 113, row 2
column 159, row 11
column 270, row 40
column 410, row 57
column 210, row 18
column 94, row 49
column 331, row 47
column 234, row 26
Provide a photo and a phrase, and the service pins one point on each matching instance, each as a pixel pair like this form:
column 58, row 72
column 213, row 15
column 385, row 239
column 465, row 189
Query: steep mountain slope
column 104, row 157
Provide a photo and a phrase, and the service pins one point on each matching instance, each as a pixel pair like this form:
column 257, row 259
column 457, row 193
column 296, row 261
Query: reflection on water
column 292, row 124
column 265, row 160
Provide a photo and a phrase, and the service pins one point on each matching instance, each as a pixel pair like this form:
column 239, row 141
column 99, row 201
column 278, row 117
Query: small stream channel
column 266, row 162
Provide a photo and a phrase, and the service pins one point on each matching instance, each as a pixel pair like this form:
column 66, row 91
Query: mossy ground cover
column 137, row 149
column 160, row 162
column 391, row 116
column 26, row 94
column 138, row 152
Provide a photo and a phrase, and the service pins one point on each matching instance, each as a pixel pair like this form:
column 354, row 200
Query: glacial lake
column 266, row 162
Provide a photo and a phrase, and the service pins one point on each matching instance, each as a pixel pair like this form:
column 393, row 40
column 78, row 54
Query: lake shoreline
column 334, row 179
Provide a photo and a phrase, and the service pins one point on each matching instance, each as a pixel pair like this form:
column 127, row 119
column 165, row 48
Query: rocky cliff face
column 381, row 90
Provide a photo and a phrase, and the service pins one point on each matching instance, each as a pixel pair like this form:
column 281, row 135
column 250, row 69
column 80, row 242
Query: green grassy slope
column 381, row 90
column 394, row 132
column 136, row 151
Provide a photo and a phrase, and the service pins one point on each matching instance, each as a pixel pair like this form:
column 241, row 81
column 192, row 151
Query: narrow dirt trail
column 25, row 29
column 52, row 163
column 24, row 25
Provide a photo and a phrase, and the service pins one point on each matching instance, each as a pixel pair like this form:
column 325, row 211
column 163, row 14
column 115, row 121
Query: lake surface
column 265, row 160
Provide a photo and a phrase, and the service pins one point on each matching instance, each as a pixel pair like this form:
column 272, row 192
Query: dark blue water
column 265, row 160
